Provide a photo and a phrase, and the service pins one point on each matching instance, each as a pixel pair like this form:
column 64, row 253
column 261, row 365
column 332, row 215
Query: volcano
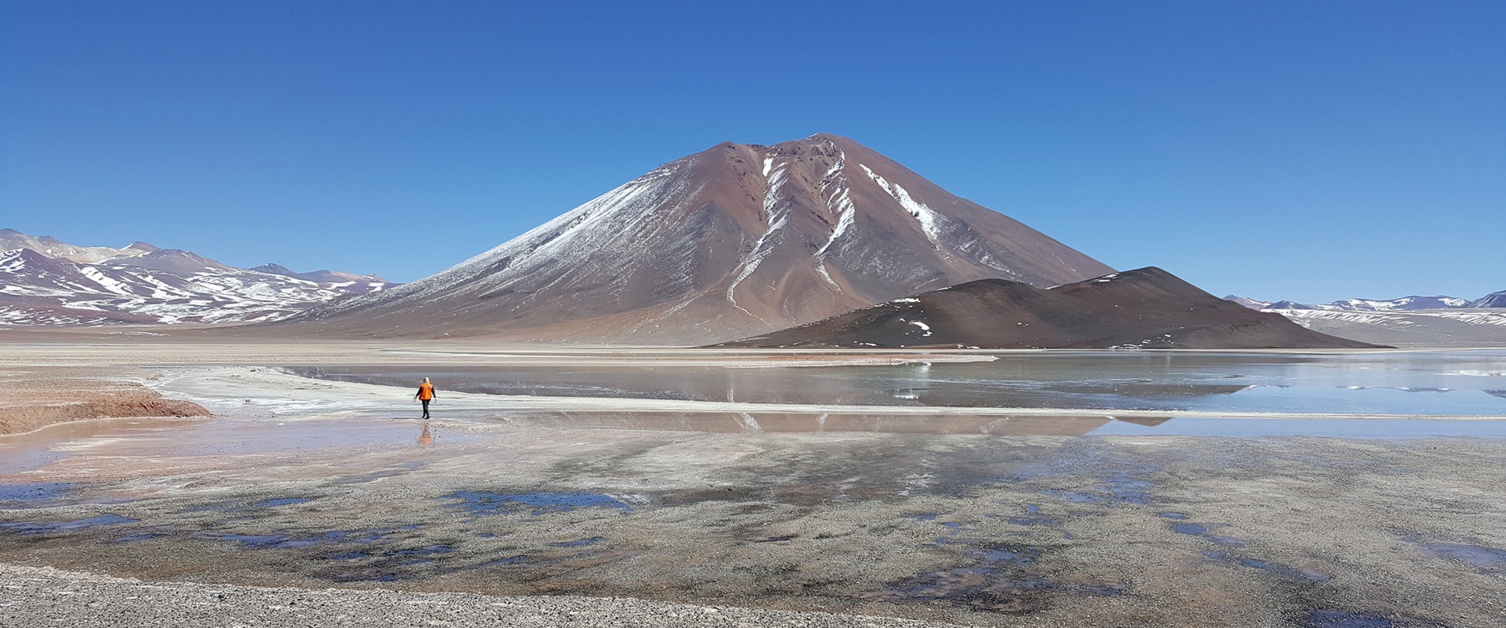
column 734, row 241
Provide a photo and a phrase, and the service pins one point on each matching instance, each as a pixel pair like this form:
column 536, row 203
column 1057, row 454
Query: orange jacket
column 425, row 391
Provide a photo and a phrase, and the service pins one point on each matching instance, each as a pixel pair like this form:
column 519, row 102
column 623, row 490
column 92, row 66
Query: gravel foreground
column 32, row 596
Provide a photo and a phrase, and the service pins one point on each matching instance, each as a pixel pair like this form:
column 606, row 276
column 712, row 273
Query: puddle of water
column 223, row 436
column 1491, row 559
column 987, row 589
column 1118, row 489
column 285, row 541
column 145, row 536
column 1202, row 530
column 243, row 511
column 1173, row 515
column 432, row 550
column 1032, row 517
column 1000, row 582
column 32, row 494
column 1036, row 521
column 1285, row 571
column 1017, row 556
column 48, row 527
column 28, row 459
column 481, row 503
column 581, row 542
column 1197, row 529
column 286, row 501
column 1128, row 489
column 1074, row 496
column 260, row 541
column 34, row 450
column 1345, row 619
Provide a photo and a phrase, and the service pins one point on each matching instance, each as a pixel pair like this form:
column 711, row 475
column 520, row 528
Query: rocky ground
column 36, row 397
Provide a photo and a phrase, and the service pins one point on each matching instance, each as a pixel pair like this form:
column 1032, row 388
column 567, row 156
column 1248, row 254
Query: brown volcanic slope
column 1147, row 308
column 732, row 241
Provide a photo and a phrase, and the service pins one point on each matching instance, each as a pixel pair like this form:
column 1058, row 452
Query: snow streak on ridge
column 838, row 199
column 929, row 219
column 777, row 215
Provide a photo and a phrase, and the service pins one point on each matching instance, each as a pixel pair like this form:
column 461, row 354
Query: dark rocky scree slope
column 1146, row 308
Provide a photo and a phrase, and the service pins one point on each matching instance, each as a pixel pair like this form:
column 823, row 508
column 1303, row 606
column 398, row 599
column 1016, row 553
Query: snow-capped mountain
column 726, row 243
column 1453, row 327
column 10, row 240
column 1408, row 321
column 350, row 282
column 1360, row 305
column 47, row 282
column 1248, row 302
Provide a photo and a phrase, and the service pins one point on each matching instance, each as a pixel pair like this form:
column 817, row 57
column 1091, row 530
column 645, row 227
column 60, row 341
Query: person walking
column 425, row 394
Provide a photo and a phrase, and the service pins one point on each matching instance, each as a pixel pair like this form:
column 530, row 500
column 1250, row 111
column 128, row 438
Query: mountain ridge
column 1407, row 303
column 63, row 284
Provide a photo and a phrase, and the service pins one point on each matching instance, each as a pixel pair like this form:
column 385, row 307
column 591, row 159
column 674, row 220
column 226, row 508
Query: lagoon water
column 1458, row 384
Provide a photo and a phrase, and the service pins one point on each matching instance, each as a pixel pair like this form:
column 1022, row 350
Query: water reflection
column 742, row 422
column 1463, row 383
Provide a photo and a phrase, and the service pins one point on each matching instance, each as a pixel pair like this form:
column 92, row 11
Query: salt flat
column 310, row 500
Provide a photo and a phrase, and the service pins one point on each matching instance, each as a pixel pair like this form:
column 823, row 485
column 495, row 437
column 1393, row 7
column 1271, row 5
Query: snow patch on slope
column 930, row 221
column 776, row 216
column 838, row 198
column 1400, row 319
column 567, row 241
column 44, row 290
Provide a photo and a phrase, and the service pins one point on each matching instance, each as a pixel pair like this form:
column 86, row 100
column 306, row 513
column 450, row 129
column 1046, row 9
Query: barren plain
column 314, row 502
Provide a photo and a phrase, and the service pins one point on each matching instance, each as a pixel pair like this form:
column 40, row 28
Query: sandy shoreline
column 521, row 510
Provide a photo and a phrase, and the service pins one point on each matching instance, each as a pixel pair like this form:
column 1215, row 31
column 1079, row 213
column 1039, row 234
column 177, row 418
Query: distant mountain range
column 736, row 240
column 1438, row 321
column 44, row 281
column 1403, row 304
column 1147, row 308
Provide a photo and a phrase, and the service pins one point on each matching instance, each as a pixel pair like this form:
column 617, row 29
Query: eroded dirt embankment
column 38, row 397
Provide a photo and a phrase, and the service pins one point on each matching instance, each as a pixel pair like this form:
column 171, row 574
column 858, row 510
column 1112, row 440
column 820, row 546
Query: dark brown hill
column 735, row 240
column 1146, row 308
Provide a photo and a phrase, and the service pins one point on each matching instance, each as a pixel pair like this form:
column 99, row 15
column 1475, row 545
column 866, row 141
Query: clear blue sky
column 1304, row 150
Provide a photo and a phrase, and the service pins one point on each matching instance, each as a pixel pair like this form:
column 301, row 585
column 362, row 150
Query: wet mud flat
column 969, row 529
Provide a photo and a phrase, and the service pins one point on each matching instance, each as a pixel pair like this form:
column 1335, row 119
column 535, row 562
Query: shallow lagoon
column 1466, row 384
column 913, row 509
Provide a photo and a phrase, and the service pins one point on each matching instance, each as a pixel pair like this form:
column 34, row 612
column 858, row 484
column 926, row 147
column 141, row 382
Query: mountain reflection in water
column 1393, row 382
